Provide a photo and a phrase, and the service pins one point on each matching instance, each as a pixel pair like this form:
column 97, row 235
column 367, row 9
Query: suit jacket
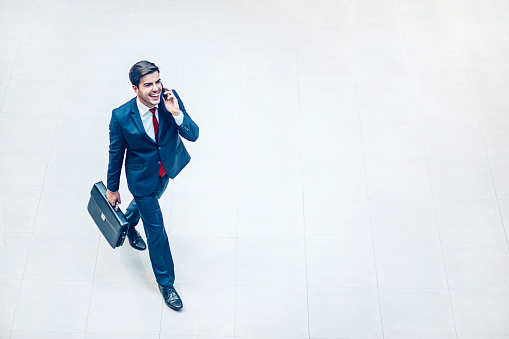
column 142, row 154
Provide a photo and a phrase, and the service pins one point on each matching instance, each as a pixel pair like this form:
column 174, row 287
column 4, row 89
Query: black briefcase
column 110, row 220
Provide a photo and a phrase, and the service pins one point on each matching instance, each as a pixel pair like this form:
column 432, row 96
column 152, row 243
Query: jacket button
column 159, row 148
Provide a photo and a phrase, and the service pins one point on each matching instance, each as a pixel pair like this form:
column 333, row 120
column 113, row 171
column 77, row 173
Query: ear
column 135, row 89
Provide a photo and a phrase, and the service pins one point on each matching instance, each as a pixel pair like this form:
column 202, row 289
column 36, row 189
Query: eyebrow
column 150, row 83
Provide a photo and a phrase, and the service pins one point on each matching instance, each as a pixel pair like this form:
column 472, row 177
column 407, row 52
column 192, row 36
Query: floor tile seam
column 154, row 283
column 444, row 242
column 427, row 121
column 49, row 233
column 49, row 189
column 96, row 281
column 52, row 280
column 22, row 279
column 497, row 199
column 355, row 79
column 300, row 122
column 16, row 56
column 237, row 156
column 88, row 152
column 429, row 178
column 444, row 197
column 163, row 304
column 82, row 150
column 244, row 238
column 426, row 157
column 377, row 54
column 324, row 194
column 421, row 288
column 150, row 335
column 480, row 289
column 416, row 122
column 462, row 123
column 372, row 157
column 411, row 241
column 467, row 198
column 472, row 93
column 234, row 285
column 184, row 53
column 291, row 241
column 129, row 48
column 11, row 279
column 47, row 331
column 414, row 91
column 414, row 55
column 93, row 284
column 269, row 285
column 405, row 288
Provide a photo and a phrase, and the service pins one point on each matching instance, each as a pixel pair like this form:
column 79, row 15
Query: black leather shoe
column 171, row 297
column 136, row 240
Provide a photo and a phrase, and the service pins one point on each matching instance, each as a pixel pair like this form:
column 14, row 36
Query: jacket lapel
column 164, row 115
column 135, row 115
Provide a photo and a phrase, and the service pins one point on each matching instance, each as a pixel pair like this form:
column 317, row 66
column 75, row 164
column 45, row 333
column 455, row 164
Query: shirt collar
column 142, row 108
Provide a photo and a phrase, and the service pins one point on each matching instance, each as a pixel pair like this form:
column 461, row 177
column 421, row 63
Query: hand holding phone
column 170, row 101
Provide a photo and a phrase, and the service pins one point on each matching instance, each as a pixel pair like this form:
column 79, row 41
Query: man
column 147, row 129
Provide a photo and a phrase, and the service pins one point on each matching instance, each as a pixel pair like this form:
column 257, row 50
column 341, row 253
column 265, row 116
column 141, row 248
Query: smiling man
column 147, row 129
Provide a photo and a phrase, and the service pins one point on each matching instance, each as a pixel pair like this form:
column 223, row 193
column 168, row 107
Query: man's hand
column 170, row 102
column 113, row 197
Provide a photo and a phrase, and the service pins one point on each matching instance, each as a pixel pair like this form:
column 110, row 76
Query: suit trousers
column 148, row 209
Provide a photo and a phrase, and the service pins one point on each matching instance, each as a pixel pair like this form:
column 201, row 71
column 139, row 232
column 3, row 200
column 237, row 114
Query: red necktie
column 162, row 172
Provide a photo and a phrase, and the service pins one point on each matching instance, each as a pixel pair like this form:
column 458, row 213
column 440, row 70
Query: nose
column 155, row 88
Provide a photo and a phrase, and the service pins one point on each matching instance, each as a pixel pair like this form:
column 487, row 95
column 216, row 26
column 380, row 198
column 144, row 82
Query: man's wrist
column 179, row 119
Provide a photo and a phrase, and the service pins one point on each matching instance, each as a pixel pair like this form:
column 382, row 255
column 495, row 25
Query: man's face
column 149, row 89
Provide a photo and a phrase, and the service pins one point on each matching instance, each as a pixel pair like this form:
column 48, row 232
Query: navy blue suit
column 142, row 158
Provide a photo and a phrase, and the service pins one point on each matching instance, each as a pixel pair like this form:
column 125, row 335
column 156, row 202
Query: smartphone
column 163, row 94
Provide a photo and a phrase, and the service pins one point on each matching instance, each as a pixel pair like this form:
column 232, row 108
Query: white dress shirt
column 146, row 118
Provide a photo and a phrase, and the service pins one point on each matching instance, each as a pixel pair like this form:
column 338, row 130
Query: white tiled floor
column 350, row 180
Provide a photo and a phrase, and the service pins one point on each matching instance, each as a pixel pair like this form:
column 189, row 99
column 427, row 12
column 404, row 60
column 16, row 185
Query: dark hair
column 140, row 69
